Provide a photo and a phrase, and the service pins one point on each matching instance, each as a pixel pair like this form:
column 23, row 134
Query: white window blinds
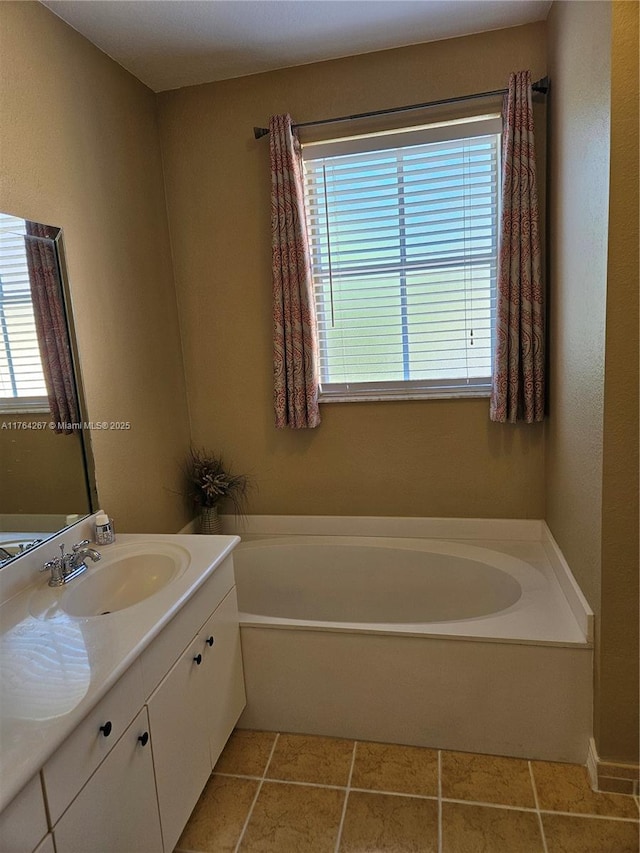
column 403, row 235
column 21, row 377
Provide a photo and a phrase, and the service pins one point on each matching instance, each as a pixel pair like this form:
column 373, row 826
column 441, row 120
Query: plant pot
column 210, row 521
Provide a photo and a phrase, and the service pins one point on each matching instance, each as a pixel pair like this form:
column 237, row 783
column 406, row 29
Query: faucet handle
column 57, row 569
column 80, row 545
column 55, row 563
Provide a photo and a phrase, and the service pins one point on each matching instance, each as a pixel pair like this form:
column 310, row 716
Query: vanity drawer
column 73, row 763
column 160, row 656
column 23, row 824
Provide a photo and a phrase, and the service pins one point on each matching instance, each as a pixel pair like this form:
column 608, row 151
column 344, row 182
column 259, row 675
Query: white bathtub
column 457, row 644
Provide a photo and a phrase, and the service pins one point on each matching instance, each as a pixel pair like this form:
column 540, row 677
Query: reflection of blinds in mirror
column 20, row 364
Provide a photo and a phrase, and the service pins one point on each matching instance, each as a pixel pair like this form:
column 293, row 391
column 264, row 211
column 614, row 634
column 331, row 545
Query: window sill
column 29, row 406
column 384, row 396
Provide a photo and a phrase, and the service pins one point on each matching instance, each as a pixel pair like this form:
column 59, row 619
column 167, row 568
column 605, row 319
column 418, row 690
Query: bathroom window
column 403, row 235
column 22, row 384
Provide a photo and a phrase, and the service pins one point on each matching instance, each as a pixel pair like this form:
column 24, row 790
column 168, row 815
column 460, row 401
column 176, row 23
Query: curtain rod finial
column 541, row 85
column 259, row 132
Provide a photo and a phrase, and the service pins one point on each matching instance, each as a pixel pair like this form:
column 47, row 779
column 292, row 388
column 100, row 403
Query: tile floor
column 284, row 793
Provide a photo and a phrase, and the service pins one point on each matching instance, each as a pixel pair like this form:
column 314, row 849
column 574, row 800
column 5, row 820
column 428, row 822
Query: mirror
column 46, row 476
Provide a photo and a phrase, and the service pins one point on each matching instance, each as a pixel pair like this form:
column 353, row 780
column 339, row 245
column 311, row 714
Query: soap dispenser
column 105, row 533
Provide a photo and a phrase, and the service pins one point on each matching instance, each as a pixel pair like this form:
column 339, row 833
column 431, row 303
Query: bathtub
column 475, row 644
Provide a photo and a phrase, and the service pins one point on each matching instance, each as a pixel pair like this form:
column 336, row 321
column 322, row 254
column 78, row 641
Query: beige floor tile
column 294, row 819
column 387, row 767
column 566, row 788
column 487, row 829
column 217, row 820
column 383, row 823
column 589, row 835
column 305, row 758
column 246, row 753
column 487, row 779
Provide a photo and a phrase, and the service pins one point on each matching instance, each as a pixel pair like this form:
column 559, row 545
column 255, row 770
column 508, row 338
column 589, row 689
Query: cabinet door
column 225, row 696
column 117, row 809
column 23, row 824
column 180, row 741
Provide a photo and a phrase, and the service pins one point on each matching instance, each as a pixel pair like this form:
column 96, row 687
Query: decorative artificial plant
column 207, row 481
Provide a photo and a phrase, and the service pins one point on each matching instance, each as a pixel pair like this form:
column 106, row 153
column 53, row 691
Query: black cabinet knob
column 198, row 659
column 144, row 738
column 210, row 641
column 106, row 729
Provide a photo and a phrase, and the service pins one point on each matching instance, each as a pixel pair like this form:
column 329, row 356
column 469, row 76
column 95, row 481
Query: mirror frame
column 85, row 435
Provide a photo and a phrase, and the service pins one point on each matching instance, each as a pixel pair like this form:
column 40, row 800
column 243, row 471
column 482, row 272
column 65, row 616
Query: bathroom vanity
column 112, row 722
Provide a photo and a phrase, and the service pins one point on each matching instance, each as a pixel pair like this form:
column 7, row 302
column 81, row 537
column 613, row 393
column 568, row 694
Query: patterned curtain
column 518, row 373
column 51, row 326
column 295, row 347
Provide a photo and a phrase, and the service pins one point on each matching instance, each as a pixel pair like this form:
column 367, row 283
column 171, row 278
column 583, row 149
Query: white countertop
column 54, row 667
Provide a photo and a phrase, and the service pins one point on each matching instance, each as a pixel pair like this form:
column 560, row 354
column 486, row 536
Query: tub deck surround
column 54, row 668
column 525, row 529
column 501, row 662
column 518, row 700
column 483, row 532
column 474, row 589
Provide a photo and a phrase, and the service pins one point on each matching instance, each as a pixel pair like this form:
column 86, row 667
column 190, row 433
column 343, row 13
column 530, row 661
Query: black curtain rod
column 541, row 86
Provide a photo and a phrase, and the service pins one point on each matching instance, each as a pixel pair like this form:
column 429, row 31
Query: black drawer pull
column 198, row 659
column 144, row 738
column 210, row 641
column 106, row 729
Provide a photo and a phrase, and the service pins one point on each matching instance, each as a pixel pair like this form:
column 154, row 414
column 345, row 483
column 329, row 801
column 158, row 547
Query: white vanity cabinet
column 117, row 809
column 194, row 709
column 83, row 752
column 192, row 713
column 131, row 772
column 224, row 682
column 178, row 722
column 23, row 824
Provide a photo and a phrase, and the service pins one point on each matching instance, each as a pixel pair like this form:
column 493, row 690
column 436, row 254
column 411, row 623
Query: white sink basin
column 126, row 575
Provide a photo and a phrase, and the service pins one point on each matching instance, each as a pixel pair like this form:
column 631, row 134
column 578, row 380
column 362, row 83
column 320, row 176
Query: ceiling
column 172, row 43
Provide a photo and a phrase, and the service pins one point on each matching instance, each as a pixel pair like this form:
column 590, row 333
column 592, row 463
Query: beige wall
column 591, row 439
column 579, row 104
column 394, row 458
column 39, row 456
column 617, row 723
column 79, row 149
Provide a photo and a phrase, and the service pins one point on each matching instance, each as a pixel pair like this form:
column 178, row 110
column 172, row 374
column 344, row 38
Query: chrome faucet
column 68, row 566
column 76, row 559
column 22, row 547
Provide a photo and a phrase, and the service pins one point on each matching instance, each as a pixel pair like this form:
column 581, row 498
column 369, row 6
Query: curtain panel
column 518, row 369
column 295, row 346
column 51, row 327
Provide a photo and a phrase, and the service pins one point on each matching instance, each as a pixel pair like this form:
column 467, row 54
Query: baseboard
column 612, row 777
